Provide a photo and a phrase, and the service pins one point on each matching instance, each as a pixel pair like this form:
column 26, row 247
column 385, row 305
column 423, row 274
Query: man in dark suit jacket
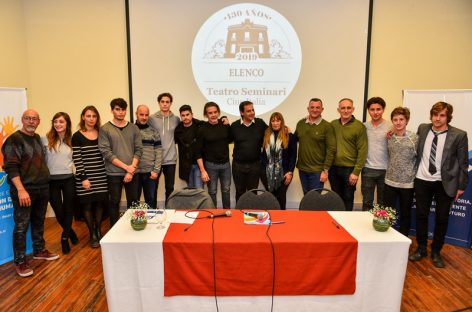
column 442, row 173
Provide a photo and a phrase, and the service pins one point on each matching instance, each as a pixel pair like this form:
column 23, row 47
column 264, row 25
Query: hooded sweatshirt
column 166, row 127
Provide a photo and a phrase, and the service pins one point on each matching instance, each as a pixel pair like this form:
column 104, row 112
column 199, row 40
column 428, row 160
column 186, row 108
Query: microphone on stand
column 217, row 215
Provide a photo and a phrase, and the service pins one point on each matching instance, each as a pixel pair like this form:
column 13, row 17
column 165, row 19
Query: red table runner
column 313, row 256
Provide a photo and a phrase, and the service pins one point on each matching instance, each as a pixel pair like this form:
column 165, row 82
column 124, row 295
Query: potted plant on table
column 138, row 216
column 384, row 217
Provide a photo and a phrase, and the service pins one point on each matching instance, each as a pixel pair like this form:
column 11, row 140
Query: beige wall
column 420, row 44
column 73, row 53
column 13, row 57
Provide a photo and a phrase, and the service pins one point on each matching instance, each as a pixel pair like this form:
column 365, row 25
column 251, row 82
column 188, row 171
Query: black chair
column 189, row 198
column 258, row 199
column 322, row 200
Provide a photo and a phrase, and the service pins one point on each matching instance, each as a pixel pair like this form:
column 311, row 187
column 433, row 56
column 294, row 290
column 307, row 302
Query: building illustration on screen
column 245, row 52
column 247, row 41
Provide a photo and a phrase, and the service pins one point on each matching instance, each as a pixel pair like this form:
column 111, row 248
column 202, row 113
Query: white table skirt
column 133, row 268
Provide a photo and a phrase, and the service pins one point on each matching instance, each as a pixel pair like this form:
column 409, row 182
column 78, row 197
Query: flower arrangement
column 138, row 213
column 385, row 213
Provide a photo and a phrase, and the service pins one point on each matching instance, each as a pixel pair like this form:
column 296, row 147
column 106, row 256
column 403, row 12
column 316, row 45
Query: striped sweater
column 89, row 165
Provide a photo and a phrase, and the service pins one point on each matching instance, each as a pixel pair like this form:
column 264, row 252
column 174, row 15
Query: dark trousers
column 245, row 177
column 405, row 198
column 115, row 188
column 149, row 188
column 61, row 197
column 339, row 181
column 22, row 216
column 371, row 179
column 425, row 191
column 169, row 179
column 280, row 193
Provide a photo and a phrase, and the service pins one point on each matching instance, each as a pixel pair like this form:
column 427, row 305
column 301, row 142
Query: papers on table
column 184, row 217
column 256, row 217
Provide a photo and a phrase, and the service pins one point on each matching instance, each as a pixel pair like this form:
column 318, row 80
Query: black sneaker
column 418, row 255
column 73, row 237
column 437, row 260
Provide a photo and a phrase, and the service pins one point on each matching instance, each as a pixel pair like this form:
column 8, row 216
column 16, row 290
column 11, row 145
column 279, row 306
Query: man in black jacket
column 248, row 133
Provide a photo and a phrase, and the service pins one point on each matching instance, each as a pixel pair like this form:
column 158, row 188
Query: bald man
column 28, row 175
column 150, row 164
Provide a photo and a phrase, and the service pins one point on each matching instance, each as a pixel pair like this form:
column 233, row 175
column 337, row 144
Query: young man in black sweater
column 248, row 133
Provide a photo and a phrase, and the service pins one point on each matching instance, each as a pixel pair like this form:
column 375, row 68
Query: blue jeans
column 24, row 215
column 310, row 181
column 372, row 178
column 195, row 177
column 339, row 180
column 223, row 172
column 149, row 188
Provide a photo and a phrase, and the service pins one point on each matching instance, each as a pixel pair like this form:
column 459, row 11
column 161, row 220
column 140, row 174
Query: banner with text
column 13, row 103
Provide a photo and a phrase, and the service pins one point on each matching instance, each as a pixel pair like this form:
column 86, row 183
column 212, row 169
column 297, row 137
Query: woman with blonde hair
column 279, row 154
column 57, row 145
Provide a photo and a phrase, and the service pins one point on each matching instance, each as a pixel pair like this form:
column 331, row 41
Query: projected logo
column 246, row 52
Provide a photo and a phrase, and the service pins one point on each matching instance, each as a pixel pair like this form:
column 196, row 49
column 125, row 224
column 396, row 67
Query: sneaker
column 24, row 270
column 45, row 255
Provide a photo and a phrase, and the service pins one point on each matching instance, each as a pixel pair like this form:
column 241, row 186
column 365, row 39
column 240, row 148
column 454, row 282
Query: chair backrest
column 189, row 198
column 258, row 199
column 322, row 200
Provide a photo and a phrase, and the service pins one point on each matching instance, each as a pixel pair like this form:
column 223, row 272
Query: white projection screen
column 278, row 54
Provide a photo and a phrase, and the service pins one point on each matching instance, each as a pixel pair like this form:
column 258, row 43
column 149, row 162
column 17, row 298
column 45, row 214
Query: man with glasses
column 28, row 175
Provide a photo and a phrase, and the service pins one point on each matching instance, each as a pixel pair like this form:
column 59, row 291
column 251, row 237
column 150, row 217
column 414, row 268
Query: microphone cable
column 212, row 245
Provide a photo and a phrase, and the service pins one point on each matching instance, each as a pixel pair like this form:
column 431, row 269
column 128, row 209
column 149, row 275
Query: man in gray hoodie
column 165, row 122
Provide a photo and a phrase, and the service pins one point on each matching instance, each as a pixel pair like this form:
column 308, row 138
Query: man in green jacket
column 351, row 153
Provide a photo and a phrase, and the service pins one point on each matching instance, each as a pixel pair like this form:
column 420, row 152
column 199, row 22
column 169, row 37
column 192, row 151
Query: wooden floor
column 75, row 281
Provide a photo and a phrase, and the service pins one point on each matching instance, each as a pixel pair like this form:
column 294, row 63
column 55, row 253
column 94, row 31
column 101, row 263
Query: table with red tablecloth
column 330, row 261
column 312, row 255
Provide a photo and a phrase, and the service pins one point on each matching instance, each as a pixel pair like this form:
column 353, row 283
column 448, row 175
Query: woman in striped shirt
column 91, row 178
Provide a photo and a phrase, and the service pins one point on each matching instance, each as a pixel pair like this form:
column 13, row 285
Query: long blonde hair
column 283, row 132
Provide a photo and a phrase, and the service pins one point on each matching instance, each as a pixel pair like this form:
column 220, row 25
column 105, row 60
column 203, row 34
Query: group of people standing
column 96, row 162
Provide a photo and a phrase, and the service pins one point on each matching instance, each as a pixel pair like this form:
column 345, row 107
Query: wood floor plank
column 75, row 281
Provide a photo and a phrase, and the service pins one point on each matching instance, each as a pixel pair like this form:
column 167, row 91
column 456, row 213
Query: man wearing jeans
column 28, row 175
column 442, row 174
column 150, row 163
column 316, row 149
column 373, row 173
column 119, row 142
column 351, row 153
column 186, row 138
column 165, row 122
column 248, row 133
column 212, row 154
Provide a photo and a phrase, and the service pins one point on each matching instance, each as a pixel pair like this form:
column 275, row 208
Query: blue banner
column 7, row 223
